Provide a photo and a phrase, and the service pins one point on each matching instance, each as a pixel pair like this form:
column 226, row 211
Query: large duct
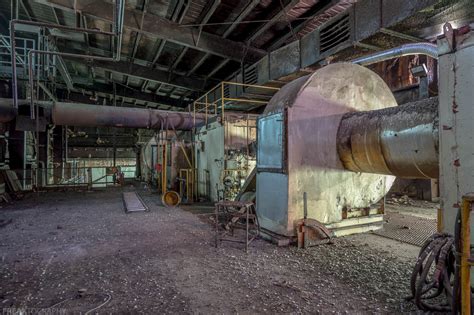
column 110, row 116
column 400, row 141
column 83, row 115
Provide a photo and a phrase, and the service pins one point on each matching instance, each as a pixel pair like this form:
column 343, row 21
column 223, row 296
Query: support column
column 456, row 116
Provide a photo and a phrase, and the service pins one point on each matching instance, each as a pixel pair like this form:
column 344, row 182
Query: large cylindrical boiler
column 339, row 136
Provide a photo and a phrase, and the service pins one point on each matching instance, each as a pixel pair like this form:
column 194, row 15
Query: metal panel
column 365, row 22
column 291, row 55
column 270, row 142
column 263, row 72
column 310, row 49
column 210, row 159
column 272, row 202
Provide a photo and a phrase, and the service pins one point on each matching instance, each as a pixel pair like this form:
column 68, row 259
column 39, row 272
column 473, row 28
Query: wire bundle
column 434, row 274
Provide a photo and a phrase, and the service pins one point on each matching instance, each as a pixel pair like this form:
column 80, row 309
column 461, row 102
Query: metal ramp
column 133, row 202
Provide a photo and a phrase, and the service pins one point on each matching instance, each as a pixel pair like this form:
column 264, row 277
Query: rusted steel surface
column 400, row 141
column 82, row 115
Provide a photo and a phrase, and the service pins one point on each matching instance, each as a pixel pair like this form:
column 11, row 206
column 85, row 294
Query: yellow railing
column 214, row 102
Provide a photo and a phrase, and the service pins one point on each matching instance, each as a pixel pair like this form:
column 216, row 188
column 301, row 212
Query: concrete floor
column 164, row 261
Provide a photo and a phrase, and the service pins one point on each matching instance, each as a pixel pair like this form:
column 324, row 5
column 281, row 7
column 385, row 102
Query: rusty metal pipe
column 83, row 115
column 400, row 141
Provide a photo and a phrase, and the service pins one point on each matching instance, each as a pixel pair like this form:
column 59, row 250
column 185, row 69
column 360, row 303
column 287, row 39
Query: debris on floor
column 164, row 261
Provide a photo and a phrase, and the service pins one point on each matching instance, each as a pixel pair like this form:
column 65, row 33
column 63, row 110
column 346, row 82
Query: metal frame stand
column 233, row 212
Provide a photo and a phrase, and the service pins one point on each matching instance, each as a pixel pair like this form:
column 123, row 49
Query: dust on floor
column 164, row 261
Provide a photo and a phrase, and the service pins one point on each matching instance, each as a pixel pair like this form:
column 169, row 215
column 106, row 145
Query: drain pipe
column 427, row 49
column 119, row 13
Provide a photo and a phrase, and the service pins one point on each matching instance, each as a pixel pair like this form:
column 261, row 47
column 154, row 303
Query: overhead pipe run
column 427, row 49
column 84, row 115
column 400, row 141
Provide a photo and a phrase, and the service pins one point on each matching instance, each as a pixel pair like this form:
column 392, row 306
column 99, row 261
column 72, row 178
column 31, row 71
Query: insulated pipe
column 82, row 115
column 400, row 141
column 427, row 49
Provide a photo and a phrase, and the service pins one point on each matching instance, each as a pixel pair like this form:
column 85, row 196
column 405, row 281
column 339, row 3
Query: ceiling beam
column 82, row 94
column 150, row 74
column 174, row 17
column 147, row 73
column 130, row 93
column 156, row 26
column 400, row 35
column 242, row 15
column 203, row 19
column 281, row 13
column 321, row 7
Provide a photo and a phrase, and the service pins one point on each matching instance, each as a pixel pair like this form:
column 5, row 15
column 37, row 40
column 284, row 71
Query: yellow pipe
column 222, row 101
column 465, row 255
column 440, row 224
column 163, row 170
column 180, row 185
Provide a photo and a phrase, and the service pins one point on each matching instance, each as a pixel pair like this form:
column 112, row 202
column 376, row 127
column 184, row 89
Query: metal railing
column 232, row 96
column 73, row 177
column 23, row 46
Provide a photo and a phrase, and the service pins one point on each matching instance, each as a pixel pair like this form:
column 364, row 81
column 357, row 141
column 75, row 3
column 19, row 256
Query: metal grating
column 335, row 33
column 407, row 228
